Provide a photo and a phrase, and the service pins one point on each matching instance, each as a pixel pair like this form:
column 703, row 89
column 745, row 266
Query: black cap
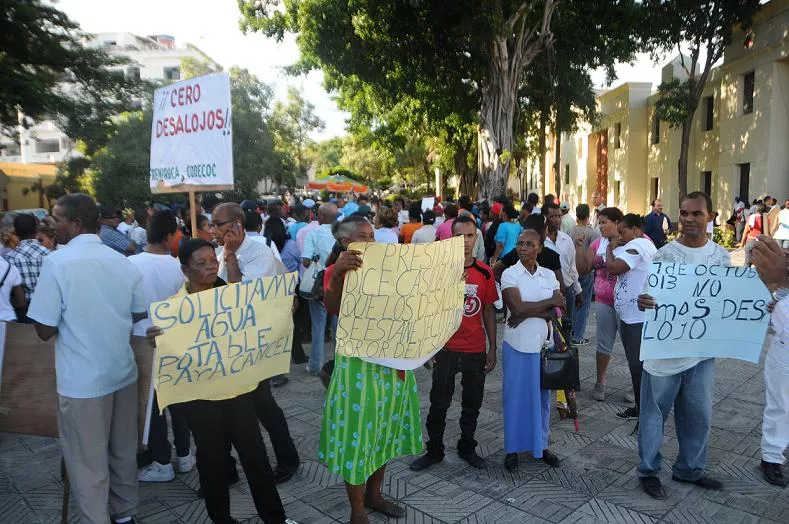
column 190, row 246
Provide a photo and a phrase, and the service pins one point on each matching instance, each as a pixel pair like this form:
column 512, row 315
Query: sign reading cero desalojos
column 705, row 311
column 221, row 343
column 191, row 142
column 403, row 304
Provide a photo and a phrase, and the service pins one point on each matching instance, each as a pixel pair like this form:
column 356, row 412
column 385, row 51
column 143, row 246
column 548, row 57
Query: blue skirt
column 527, row 408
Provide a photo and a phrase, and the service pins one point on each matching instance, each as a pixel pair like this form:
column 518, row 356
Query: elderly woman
column 606, row 317
column 386, row 226
column 371, row 415
column 531, row 293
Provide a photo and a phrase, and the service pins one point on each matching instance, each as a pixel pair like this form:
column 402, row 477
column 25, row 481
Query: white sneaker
column 155, row 472
column 186, row 464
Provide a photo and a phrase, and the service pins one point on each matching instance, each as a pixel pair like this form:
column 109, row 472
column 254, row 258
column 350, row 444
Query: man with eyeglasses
column 243, row 259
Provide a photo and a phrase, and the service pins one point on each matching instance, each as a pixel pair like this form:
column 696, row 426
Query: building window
column 566, row 174
column 172, row 73
column 133, row 73
column 745, row 182
column 706, row 182
column 617, row 135
column 747, row 92
column 617, row 191
column 10, row 149
column 48, row 146
column 654, row 184
column 655, row 129
column 709, row 108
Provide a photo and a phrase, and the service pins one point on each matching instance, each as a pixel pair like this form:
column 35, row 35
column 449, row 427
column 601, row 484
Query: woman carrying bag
column 531, row 294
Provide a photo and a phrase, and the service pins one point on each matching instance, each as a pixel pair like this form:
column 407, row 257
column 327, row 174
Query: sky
column 212, row 26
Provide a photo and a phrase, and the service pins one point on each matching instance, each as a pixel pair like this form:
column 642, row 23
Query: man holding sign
column 684, row 384
column 771, row 263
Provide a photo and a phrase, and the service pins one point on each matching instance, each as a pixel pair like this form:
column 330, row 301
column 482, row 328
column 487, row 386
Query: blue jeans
column 318, row 316
column 582, row 313
column 690, row 393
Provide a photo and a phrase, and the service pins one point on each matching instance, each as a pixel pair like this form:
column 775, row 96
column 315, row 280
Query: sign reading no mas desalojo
column 705, row 311
column 191, row 140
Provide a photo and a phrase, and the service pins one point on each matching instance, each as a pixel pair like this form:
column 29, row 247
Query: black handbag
column 559, row 367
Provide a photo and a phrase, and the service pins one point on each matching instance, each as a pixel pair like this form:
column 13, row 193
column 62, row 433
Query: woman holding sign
column 531, row 294
column 214, row 423
column 371, row 414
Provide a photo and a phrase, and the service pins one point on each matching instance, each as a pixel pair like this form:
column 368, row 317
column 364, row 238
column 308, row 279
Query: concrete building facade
column 739, row 144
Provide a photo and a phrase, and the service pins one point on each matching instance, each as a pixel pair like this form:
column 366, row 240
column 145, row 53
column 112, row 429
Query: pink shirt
column 444, row 231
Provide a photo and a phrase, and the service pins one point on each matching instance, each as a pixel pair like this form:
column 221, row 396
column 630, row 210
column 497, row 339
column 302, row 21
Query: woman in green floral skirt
column 371, row 414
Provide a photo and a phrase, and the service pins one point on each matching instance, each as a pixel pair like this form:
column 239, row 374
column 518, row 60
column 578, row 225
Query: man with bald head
column 243, row 259
column 318, row 246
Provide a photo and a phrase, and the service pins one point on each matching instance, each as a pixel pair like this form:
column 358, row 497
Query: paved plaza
column 595, row 483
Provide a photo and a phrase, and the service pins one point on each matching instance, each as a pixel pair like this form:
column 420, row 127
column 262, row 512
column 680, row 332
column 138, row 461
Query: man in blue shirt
column 653, row 224
column 109, row 234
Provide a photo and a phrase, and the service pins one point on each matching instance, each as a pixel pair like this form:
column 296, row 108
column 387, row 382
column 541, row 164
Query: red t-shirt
column 480, row 291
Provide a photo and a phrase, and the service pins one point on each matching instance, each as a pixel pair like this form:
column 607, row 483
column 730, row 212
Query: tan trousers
column 99, row 441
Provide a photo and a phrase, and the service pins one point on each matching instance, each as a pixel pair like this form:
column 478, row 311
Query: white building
column 154, row 58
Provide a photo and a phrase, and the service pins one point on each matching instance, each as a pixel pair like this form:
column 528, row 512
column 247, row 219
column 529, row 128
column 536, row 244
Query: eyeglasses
column 217, row 225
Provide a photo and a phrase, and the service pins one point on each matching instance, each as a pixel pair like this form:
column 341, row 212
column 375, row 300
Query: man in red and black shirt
column 464, row 352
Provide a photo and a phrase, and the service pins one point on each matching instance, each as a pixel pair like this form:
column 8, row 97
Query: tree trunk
column 541, row 151
column 682, row 163
column 467, row 177
column 557, row 167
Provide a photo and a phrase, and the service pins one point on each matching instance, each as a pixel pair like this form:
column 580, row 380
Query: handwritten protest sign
column 428, row 203
column 222, row 342
column 191, row 143
column 404, row 303
column 705, row 311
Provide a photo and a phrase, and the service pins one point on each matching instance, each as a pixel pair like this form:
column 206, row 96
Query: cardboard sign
column 191, row 140
column 222, row 342
column 705, row 311
column 404, row 303
column 428, row 203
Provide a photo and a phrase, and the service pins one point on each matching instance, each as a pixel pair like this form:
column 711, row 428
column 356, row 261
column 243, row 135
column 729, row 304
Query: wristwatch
column 780, row 294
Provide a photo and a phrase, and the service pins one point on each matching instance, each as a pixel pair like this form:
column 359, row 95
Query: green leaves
column 677, row 101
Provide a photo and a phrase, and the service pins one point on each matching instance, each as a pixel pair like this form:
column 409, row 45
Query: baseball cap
column 364, row 210
column 249, row 205
column 308, row 203
column 496, row 208
column 564, row 206
column 332, row 200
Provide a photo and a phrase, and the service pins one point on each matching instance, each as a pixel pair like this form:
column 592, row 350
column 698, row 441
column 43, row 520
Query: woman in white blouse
column 531, row 294
column 386, row 231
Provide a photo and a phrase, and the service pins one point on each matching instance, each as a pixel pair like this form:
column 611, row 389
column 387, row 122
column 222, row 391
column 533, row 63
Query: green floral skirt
column 371, row 416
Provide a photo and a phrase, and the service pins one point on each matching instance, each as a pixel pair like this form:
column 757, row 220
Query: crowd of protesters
column 87, row 275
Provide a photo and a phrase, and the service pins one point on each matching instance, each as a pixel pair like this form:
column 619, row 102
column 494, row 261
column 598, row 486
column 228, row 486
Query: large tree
column 47, row 72
column 292, row 122
column 702, row 28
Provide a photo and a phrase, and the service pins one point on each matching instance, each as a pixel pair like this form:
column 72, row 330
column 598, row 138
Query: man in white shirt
column 781, row 233
column 89, row 296
column 427, row 233
column 770, row 262
column 241, row 259
column 684, row 384
column 319, row 243
column 561, row 242
column 161, row 278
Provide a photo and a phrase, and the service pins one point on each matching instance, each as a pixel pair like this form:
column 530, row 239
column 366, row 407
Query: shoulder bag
column 559, row 367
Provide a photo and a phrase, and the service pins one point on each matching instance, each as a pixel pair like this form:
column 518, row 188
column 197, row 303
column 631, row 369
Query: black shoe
column 423, row 462
column 279, row 381
column 653, row 488
column 702, row 482
column 550, row 458
column 284, row 474
column 473, row 459
column 511, row 462
column 628, row 414
column 132, row 521
column 774, row 474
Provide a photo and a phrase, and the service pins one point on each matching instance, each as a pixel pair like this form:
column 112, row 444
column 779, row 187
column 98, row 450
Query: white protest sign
column 705, row 311
column 428, row 203
column 191, row 142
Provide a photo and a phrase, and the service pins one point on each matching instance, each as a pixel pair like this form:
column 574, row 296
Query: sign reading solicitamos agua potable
column 220, row 343
column 404, row 303
column 705, row 311
column 191, row 142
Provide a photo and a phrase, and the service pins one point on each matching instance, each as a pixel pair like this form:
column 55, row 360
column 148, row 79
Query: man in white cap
column 568, row 221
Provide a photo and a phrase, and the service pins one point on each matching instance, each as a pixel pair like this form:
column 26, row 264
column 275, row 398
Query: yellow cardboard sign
column 221, row 343
column 403, row 304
